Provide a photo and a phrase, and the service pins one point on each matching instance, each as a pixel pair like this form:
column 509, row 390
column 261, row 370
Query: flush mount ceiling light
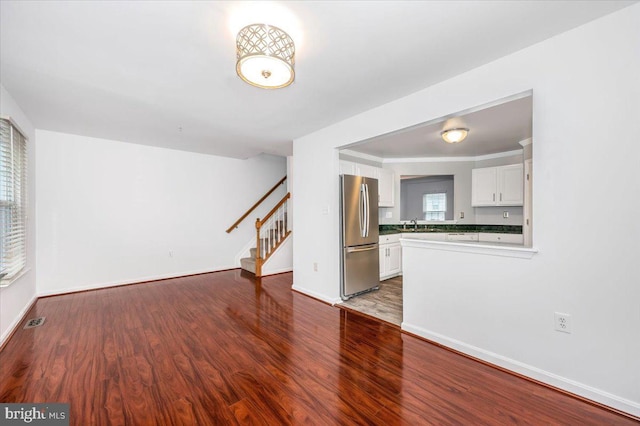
column 454, row 135
column 265, row 56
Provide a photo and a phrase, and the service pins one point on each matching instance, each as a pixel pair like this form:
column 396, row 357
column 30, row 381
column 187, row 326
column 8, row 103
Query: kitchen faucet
column 415, row 223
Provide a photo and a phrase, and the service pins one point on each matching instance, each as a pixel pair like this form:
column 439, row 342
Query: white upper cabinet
column 497, row 186
column 484, row 186
column 366, row 170
column 386, row 179
column 347, row 168
column 386, row 185
column 511, row 185
column 357, row 169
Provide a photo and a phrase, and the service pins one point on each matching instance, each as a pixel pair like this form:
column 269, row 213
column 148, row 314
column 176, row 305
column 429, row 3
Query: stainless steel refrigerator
column 359, row 222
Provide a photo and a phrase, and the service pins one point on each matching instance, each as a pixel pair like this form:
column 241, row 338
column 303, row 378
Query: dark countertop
column 450, row 228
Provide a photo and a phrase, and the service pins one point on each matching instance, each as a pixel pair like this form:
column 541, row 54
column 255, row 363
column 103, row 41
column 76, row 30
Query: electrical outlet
column 505, row 215
column 461, row 215
column 170, row 253
column 562, row 322
column 315, row 266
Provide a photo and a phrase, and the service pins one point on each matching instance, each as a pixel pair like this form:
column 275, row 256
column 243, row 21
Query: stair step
column 248, row 264
column 253, row 252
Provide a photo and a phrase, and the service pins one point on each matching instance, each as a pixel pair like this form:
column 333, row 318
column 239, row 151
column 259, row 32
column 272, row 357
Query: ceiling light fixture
column 265, row 56
column 454, row 135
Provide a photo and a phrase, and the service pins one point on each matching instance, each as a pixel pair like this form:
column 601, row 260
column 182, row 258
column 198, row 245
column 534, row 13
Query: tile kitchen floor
column 385, row 303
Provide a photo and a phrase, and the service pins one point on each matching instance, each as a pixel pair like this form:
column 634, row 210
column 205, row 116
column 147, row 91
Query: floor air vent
column 35, row 322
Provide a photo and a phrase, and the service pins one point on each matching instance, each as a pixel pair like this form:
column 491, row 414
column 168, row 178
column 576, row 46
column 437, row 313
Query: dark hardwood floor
column 220, row 349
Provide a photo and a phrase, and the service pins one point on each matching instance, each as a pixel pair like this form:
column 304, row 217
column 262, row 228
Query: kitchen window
column 434, row 206
column 13, row 202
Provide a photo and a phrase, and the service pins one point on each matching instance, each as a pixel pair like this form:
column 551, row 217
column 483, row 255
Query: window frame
column 13, row 201
column 425, row 207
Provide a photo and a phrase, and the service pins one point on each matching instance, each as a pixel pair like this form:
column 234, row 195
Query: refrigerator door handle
column 366, row 215
column 362, row 210
column 359, row 249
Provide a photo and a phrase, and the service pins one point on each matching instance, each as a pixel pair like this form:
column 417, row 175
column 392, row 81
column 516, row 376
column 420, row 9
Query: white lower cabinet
column 462, row 236
column 428, row 236
column 390, row 256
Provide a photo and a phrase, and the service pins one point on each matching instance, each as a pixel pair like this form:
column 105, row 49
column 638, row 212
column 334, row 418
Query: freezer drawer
column 361, row 270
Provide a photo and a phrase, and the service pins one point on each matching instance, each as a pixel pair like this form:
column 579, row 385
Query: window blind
column 434, row 206
column 13, row 200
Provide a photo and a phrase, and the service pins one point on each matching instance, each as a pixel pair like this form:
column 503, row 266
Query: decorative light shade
column 265, row 56
column 454, row 135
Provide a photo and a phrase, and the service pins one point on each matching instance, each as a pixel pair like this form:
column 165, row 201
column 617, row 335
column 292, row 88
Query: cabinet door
column 501, row 238
column 383, row 261
column 483, row 187
column 394, row 259
column 347, row 168
column 386, row 185
column 366, row 170
column 510, row 185
column 427, row 236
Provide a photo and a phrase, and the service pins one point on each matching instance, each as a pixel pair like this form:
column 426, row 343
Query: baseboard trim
column 561, row 384
column 140, row 280
column 277, row 271
column 316, row 296
column 16, row 322
column 22, row 315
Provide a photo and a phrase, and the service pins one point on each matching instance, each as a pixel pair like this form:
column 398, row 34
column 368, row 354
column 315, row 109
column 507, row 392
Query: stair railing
column 248, row 212
column 271, row 232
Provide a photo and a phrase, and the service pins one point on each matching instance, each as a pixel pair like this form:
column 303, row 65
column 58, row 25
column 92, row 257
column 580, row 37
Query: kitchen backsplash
column 502, row 229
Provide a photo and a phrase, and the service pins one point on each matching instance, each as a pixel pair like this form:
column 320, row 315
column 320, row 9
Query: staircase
column 271, row 232
column 249, row 263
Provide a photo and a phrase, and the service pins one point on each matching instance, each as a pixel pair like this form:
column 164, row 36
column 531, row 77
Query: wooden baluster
column 274, row 229
column 258, row 249
column 271, row 239
column 279, row 225
column 265, row 245
column 286, row 225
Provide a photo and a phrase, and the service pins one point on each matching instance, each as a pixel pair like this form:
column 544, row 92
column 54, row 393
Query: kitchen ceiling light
column 454, row 135
column 265, row 56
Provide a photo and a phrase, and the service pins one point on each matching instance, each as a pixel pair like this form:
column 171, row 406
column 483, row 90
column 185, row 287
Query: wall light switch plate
column 461, row 215
column 505, row 215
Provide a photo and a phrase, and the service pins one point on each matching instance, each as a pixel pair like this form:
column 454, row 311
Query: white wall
column 461, row 171
column 462, row 190
column 16, row 299
column 585, row 84
column 110, row 212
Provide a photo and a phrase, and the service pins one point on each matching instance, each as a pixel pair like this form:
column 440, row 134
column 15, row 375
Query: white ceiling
column 495, row 128
column 163, row 73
